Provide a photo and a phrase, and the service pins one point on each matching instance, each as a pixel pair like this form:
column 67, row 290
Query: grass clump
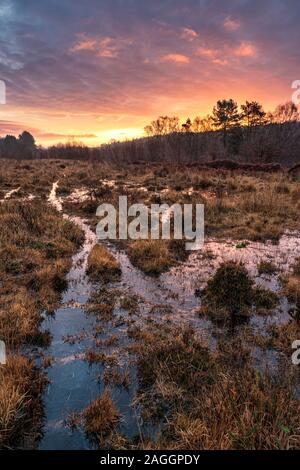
column 102, row 266
column 21, row 385
column 151, row 256
column 103, row 302
column 100, row 418
column 265, row 267
column 231, row 291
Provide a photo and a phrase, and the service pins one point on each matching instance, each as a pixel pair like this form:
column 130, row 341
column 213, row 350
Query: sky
column 97, row 70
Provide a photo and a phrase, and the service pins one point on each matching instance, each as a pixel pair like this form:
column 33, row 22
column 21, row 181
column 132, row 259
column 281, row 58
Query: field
column 141, row 344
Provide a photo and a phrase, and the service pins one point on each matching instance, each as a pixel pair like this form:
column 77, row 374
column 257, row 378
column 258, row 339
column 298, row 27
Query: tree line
column 226, row 117
column 246, row 133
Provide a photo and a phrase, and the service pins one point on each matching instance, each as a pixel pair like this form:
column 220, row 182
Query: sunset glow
column 99, row 70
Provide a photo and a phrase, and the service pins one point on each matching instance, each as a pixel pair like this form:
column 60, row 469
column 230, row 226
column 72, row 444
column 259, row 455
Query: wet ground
column 171, row 297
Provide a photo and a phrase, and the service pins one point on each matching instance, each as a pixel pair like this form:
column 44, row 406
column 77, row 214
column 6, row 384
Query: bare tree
column 287, row 112
column 204, row 124
column 163, row 125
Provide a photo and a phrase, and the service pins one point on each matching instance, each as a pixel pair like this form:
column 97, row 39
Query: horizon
column 105, row 71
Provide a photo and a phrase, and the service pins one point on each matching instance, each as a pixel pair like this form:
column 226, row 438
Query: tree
column 163, row 125
column 187, row 126
column 252, row 114
column 204, row 124
column 10, row 147
column 27, row 144
column 287, row 112
column 226, row 117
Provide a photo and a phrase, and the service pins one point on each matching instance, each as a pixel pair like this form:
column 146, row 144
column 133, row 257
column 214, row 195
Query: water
column 74, row 383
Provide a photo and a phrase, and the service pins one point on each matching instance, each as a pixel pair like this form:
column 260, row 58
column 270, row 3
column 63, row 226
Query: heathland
column 168, row 349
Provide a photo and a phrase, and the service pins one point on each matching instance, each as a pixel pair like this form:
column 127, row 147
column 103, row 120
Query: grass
column 265, row 267
column 231, row 291
column 100, row 418
column 21, row 385
column 197, row 398
column 207, row 401
column 291, row 289
column 36, row 245
column 151, row 256
column 102, row 303
column 102, row 266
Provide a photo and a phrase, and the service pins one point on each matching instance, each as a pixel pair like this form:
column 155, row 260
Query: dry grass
column 21, row 386
column 102, row 303
column 102, row 266
column 151, row 256
column 209, row 401
column 36, row 245
column 100, row 418
column 265, row 267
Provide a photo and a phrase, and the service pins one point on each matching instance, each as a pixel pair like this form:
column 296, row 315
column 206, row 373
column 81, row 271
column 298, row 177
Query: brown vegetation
column 102, row 266
column 231, row 291
column 210, row 402
column 100, row 418
column 35, row 249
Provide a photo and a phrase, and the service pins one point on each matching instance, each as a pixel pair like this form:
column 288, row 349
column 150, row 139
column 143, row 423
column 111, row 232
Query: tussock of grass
column 231, row 291
column 102, row 266
column 102, row 303
column 100, row 418
column 265, row 267
column 20, row 319
column 151, row 256
column 20, row 400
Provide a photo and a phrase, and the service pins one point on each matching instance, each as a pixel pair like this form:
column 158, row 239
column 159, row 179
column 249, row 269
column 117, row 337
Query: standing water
column 72, row 383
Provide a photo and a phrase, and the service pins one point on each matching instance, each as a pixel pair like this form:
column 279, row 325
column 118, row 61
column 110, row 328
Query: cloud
column 106, row 46
column 176, row 58
column 16, row 128
column 66, row 62
column 207, row 52
column 189, row 34
column 84, row 44
column 231, row 24
column 245, row 49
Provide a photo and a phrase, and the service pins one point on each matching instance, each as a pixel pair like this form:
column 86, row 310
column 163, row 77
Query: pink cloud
column 106, row 46
column 231, row 24
column 245, row 49
column 189, row 34
column 84, row 44
column 206, row 52
column 177, row 58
